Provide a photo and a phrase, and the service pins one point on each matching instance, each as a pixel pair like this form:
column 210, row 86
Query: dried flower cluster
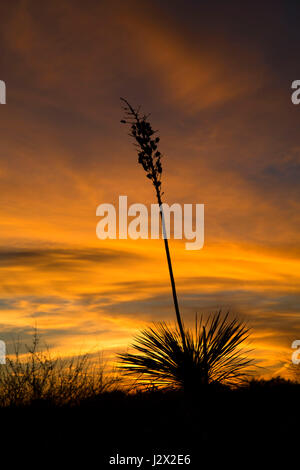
column 148, row 154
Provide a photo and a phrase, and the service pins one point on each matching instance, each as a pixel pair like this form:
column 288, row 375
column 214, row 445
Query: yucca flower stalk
column 150, row 158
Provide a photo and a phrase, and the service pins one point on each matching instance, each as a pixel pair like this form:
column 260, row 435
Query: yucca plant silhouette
column 168, row 356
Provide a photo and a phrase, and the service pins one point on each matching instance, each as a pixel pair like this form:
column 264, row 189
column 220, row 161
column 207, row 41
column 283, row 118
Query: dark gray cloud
column 63, row 258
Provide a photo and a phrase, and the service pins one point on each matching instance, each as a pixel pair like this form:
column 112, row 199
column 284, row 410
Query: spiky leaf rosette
column 212, row 354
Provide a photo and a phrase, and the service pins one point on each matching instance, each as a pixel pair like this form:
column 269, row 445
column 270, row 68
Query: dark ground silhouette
column 216, row 427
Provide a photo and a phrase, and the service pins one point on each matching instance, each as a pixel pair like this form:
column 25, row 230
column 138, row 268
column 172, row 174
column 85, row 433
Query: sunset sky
column 216, row 77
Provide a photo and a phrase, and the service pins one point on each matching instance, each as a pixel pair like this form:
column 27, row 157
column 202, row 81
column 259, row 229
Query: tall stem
column 156, row 183
column 175, row 299
column 205, row 357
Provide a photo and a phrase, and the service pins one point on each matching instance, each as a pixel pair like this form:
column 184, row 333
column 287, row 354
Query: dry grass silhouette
column 40, row 377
